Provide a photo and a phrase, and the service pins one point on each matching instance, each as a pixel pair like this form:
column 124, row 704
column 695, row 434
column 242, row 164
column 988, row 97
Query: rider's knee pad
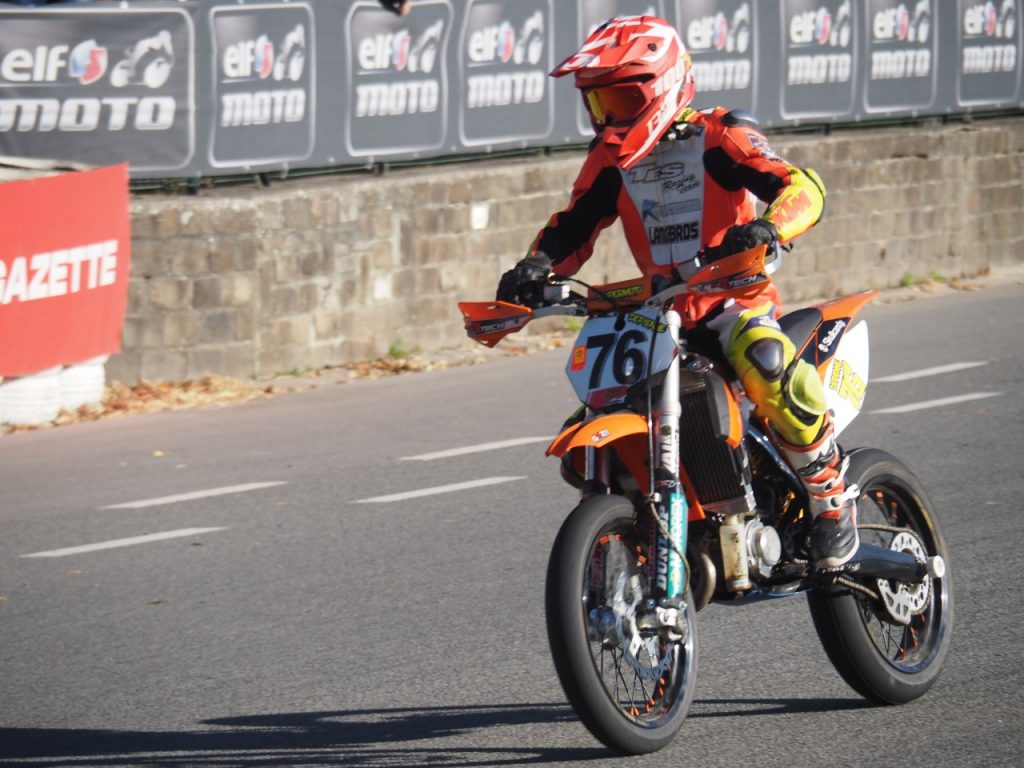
column 799, row 410
column 787, row 391
column 804, row 390
column 760, row 353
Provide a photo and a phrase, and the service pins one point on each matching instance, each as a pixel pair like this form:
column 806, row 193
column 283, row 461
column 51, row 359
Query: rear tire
column 630, row 687
column 883, row 660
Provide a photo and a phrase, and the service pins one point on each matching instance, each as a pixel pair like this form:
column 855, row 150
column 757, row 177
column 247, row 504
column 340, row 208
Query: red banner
column 65, row 257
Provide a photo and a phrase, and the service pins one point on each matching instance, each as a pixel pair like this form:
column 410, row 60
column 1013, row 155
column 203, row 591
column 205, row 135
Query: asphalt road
column 303, row 623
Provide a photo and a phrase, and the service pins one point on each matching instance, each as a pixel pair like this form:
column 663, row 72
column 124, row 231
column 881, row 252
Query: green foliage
column 398, row 351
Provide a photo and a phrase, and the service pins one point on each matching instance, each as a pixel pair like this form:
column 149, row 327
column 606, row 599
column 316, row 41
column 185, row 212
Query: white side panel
column 846, row 378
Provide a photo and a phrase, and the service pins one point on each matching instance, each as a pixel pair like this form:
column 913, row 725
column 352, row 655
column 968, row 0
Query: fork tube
column 598, row 465
column 671, row 502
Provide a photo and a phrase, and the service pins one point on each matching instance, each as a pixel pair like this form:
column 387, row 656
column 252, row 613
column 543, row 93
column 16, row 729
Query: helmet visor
column 618, row 104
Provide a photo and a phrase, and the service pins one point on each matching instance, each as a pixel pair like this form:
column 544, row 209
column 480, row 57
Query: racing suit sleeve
column 569, row 236
column 743, row 158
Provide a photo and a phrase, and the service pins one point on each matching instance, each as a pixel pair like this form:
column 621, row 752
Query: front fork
column 667, row 497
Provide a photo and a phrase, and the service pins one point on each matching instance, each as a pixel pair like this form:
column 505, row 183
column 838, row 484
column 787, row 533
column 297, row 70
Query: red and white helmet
column 635, row 76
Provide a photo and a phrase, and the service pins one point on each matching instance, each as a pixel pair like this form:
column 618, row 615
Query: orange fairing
column 847, row 306
column 490, row 321
column 605, row 298
column 735, row 420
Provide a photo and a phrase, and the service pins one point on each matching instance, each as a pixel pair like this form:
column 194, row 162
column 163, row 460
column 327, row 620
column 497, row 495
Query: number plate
column 610, row 356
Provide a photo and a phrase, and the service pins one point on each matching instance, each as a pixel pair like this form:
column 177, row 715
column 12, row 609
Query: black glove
column 524, row 283
column 743, row 237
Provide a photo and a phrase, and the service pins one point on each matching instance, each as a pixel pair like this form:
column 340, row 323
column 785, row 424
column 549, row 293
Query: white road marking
column 439, row 489
column 195, row 495
column 938, row 403
column 124, row 542
column 929, row 372
column 476, row 448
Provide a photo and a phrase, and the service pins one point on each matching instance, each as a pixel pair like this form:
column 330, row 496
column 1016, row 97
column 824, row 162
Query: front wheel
column 629, row 678
column 886, row 639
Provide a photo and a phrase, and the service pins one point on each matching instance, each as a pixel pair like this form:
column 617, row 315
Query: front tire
column 630, row 686
column 884, row 660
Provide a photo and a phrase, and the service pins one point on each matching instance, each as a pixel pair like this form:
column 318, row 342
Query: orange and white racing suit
column 698, row 181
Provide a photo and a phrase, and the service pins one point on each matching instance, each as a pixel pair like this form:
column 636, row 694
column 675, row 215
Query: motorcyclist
column 682, row 182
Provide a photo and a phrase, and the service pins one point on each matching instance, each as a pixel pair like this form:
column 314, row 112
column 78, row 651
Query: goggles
column 616, row 104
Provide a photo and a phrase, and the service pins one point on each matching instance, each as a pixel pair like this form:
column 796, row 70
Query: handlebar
column 735, row 275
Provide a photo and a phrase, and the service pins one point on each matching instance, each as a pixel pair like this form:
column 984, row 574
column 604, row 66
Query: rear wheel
column 629, row 680
column 889, row 645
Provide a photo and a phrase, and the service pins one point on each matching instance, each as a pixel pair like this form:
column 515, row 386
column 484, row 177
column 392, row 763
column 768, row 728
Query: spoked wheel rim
column 644, row 672
column 888, row 512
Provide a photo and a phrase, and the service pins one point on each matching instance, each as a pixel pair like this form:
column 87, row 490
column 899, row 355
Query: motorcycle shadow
column 711, row 708
column 450, row 735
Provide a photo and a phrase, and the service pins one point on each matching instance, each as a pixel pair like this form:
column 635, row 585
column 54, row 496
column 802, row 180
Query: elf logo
column 504, row 44
column 260, row 59
column 720, row 32
column 820, row 28
column 899, row 24
column 400, row 51
column 86, row 63
column 991, row 19
column 249, row 58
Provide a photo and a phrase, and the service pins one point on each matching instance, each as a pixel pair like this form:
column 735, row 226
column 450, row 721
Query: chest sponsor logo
column 674, row 233
column 652, row 209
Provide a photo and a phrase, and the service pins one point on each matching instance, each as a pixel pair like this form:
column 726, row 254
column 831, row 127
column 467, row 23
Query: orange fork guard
column 630, row 430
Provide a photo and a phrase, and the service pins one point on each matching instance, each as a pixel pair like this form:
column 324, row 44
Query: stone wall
column 307, row 273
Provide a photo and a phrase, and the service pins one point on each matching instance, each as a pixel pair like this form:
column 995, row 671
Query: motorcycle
column 684, row 501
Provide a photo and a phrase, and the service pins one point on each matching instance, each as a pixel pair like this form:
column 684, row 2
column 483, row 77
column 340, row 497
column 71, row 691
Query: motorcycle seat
column 800, row 324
